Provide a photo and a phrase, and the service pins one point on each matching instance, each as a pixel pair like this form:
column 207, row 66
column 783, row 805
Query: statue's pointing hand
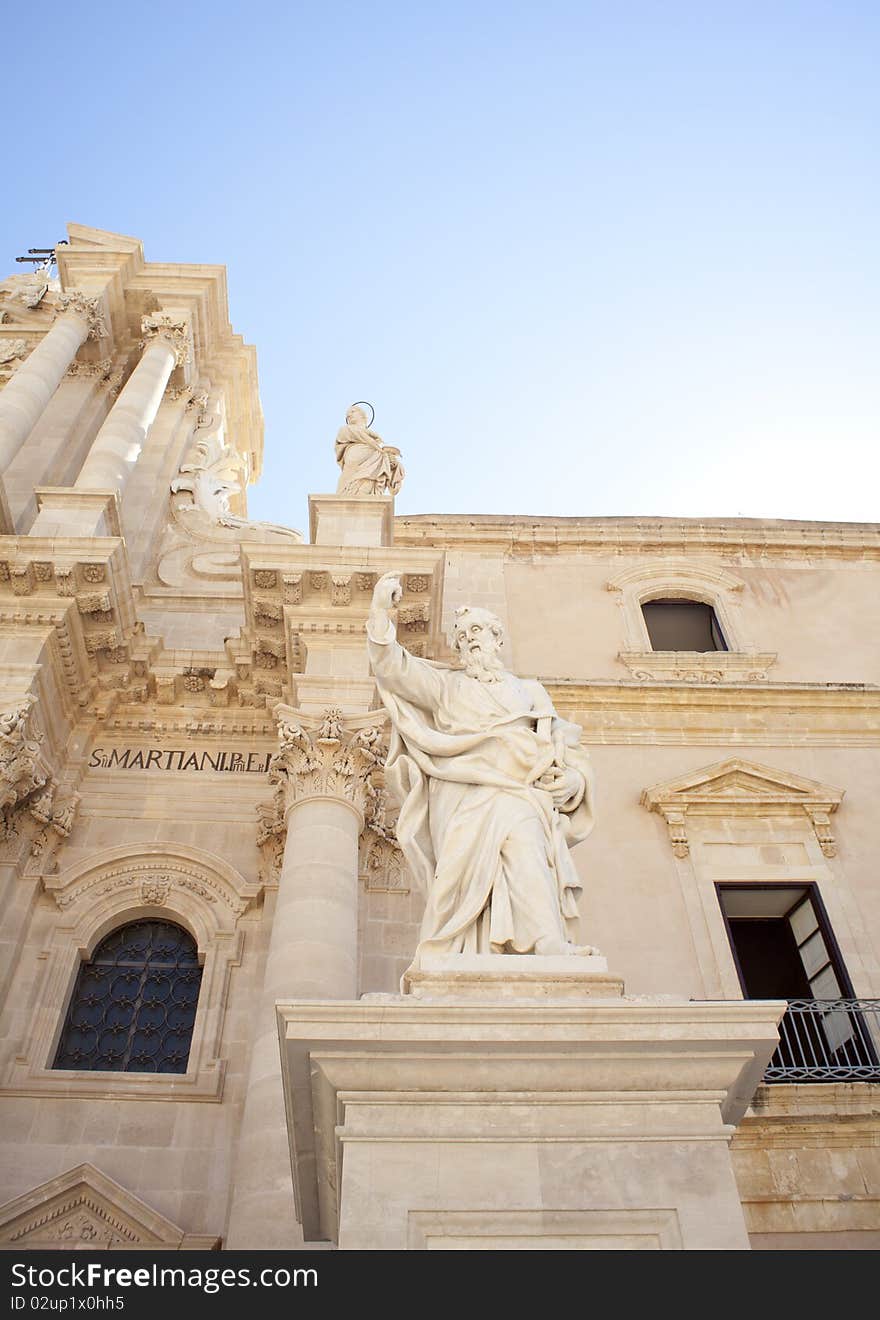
column 387, row 592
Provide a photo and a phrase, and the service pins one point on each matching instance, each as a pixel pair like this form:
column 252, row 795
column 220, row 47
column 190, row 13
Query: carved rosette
column 168, row 330
column 89, row 308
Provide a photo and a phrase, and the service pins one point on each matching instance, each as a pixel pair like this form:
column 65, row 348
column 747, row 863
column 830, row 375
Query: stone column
column 36, row 380
column 118, row 444
column 323, row 795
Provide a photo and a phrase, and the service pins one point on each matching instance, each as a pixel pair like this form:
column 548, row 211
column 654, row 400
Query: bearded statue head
column 478, row 636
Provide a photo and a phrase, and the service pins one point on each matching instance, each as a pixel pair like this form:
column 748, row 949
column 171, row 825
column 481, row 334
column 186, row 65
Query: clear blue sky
column 584, row 258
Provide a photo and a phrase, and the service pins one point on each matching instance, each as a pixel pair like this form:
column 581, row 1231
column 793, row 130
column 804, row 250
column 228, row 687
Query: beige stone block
column 146, row 1125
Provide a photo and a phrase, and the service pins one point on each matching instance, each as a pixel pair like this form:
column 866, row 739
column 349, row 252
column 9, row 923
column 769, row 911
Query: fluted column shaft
column 25, row 396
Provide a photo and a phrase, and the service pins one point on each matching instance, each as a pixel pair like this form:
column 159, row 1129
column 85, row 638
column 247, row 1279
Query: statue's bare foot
column 548, row 946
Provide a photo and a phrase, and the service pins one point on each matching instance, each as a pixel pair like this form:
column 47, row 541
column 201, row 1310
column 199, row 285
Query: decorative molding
column 166, row 871
column 737, row 787
column 670, row 571
column 698, row 666
column 84, row 1209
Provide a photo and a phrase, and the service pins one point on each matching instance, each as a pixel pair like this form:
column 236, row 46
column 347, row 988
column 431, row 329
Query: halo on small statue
column 362, row 403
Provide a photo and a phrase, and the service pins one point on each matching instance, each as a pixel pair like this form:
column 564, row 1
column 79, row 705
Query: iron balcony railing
column 828, row 1040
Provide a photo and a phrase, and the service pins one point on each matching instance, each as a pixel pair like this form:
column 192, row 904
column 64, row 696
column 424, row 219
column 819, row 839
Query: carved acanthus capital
column 170, row 330
column 91, row 309
column 324, row 756
column 23, row 770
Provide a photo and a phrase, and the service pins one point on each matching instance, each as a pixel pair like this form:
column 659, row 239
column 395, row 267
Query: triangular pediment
column 83, row 1208
column 738, row 781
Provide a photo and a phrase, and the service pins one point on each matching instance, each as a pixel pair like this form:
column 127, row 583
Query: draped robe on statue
column 368, row 466
column 483, row 841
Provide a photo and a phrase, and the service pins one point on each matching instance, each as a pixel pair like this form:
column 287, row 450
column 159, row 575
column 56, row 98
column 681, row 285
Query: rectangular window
column 682, row 625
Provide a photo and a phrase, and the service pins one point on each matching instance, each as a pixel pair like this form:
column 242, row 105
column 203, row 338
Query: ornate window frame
column 738, row 821
column 682, row 579
column 169, row 881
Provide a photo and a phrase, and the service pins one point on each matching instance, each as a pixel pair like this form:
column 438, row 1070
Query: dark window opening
column 682, row 625
column 134, row 1004
column 784, row 948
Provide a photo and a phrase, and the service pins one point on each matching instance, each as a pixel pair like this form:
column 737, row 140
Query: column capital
column 324, row 756
column 171, row 330
column 91, row 309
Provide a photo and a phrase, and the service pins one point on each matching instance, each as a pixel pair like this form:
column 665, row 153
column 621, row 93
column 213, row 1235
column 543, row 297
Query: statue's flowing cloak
column 463, row 761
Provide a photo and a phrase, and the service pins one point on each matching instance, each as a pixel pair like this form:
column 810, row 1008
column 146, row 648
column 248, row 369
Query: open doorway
column 784, row 948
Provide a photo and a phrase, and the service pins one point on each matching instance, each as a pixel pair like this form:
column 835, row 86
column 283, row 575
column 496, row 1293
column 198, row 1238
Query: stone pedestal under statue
column 497, row 1105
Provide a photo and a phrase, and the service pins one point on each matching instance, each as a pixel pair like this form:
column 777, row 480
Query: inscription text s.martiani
column 161, row 758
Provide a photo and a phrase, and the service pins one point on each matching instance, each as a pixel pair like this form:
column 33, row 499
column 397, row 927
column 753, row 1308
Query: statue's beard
column 486, row 666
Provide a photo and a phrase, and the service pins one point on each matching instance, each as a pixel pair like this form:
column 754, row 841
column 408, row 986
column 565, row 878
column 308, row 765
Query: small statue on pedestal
column 369, row 467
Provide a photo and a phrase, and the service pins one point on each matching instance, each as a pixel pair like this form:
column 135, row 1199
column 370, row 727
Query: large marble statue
column 369, row 467
column 495, row 790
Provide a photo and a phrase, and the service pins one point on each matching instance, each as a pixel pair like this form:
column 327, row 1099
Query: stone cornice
column 526, row 536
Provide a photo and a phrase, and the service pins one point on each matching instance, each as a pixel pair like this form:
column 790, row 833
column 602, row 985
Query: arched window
column 134, row 1004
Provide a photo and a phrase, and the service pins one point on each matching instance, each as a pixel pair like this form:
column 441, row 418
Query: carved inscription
column 185, row 759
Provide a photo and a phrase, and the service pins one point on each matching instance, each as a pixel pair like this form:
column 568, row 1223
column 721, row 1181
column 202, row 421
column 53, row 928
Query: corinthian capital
column 328, row 756
column 90, row 308
column 171, row 330
column 23, row 770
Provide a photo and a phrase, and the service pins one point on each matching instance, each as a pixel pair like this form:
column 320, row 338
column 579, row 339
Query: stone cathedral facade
column 206, row 915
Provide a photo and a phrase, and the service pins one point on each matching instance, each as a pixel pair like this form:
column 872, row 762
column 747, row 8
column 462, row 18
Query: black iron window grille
column 134, row 1004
